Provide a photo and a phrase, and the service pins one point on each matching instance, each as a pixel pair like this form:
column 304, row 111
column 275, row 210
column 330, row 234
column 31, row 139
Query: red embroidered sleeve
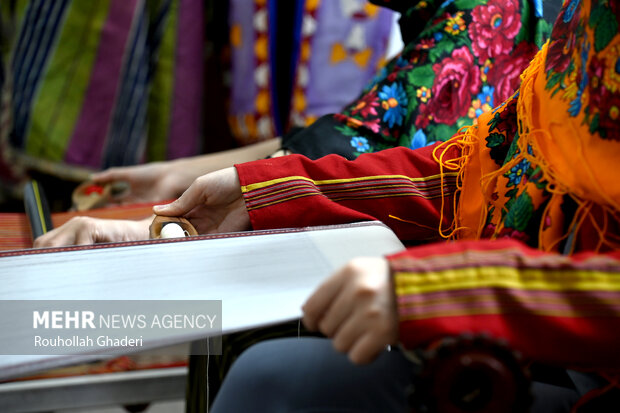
column 391, row 186
column 552, row 308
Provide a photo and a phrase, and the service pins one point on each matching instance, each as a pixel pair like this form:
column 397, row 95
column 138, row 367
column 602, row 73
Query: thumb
column 109, row 175
column 182, row 205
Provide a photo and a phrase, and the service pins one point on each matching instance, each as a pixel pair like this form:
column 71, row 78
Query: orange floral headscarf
column 544, row 167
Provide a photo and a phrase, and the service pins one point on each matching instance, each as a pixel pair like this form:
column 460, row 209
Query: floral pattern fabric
column 466, row 58
column 601, row 75
column 511, row 210
column 580, row 95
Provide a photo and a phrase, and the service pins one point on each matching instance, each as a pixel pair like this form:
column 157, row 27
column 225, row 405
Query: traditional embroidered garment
column 538, row 169
column 556, row 140
column 366, row 125
column 460, row 60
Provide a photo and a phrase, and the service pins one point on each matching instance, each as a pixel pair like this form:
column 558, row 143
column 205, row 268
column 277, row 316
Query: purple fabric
column 89, row 135
column 185, row 122
column 243, row 87
column 330, row 93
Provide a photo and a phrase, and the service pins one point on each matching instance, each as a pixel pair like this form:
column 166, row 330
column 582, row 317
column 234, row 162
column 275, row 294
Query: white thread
column 208, row 356
column 172, row 230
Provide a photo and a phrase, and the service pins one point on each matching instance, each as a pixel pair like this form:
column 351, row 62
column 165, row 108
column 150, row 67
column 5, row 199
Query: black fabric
column 283, row 70
column 585, row 382
column 551, row 9
column 608, row 402
column 319, row 140
column 548, row 398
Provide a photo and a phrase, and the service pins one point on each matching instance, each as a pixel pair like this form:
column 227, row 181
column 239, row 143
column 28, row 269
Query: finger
column 55, row 238
column 185, row 203
column 340, row 308
column 349, row 332
column 78, row 230
column 83, row 237
column 109, row 175
column 319, row 301
column 43, row 240
column 366, row 348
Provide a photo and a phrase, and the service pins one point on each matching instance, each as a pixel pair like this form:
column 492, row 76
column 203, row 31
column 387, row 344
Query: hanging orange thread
column 464, row 141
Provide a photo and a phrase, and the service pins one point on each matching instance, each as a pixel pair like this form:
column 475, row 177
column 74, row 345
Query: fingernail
column 159, row 207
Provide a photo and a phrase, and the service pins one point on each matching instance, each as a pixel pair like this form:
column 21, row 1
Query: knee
column 262, row 362
column 253, row 378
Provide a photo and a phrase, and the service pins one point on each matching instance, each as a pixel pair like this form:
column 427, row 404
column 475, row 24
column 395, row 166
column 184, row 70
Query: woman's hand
column 356, row 307
column 150, row 182
column 87, row 230
column 213, row 204
column 159, row 181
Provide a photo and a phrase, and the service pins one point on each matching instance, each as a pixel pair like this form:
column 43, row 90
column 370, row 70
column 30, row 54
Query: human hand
column 356, row 307
column 151, row 182
column 158, row 181
column 87, row 230
column 212, row 204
